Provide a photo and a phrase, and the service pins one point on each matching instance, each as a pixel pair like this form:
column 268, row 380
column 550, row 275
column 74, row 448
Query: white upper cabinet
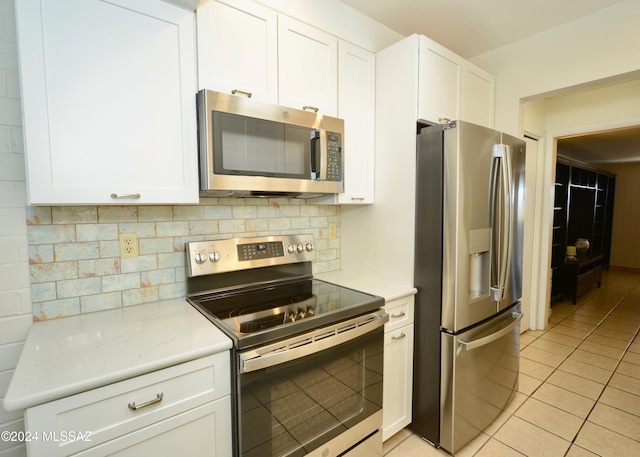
column 440, row 73
column 307, row 66
column 478, row 94
column 238, row 49
column 356, row 105
column 108, row 101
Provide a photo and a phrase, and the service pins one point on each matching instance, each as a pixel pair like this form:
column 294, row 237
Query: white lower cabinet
column 180, row 410
column 398, row 366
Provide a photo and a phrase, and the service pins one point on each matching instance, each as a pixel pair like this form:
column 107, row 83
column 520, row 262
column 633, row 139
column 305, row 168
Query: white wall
column 15, row 301
column 597, row 48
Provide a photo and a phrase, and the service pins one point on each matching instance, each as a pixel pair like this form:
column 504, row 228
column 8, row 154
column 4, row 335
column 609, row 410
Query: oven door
column 320, row 391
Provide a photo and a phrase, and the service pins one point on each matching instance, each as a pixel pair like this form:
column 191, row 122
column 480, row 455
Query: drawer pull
column 400, row 314
column 311, row 108
column 399, row 337
column 134, row 407
column 238, row 91
column 125, row 196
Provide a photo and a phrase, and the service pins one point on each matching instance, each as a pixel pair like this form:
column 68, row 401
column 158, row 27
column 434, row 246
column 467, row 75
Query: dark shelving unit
column 583, row 208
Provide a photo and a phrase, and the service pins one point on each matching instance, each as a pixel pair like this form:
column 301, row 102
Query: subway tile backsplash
column 74, row 252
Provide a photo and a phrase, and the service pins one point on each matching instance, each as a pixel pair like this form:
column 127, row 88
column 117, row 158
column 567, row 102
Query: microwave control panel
column 334, row 156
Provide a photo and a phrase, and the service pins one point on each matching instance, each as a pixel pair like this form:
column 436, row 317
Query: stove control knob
column 309, row 247
column 200, row 257
column 301, row 248
column 291, row 317
column 310, row 311
column 291, row 249
column 214, row 256
column 301, row 313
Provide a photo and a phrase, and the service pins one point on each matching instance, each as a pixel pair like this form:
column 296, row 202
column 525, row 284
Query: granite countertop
column 66, row 356
column 380, row 287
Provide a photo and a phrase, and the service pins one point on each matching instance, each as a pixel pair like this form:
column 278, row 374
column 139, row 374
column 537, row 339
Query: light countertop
column 65, row 356
column 380, row 287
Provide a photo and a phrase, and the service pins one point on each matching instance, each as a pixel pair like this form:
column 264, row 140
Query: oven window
column 255, row 147
column 293, row 408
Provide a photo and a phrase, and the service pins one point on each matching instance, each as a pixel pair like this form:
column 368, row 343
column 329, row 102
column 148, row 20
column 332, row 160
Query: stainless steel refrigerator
column 468, row 272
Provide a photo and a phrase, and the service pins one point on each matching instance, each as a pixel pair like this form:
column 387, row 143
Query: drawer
column 117, row 409
column 400, row 313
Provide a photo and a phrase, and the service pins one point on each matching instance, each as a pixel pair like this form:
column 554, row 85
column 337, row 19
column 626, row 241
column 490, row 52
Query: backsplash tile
column 74, row 252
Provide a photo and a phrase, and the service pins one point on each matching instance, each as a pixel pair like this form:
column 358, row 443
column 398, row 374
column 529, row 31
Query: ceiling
column 474, row 27
column 611, row 146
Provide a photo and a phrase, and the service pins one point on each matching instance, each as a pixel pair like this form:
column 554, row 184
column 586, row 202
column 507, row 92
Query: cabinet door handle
column 238, row 91
column 400, row 314
column 444, row 120
column 119, row 196
column 132, row 405
column 312, row 108
column 399, row 337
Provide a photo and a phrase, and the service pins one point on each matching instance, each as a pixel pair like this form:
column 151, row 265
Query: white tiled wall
column 66, row 259
column 15, row 300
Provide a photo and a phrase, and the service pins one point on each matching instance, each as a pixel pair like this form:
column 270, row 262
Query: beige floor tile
column 597, row 360
column 528, row 384
column 590, row 318
column 550, row 346
column 535, row 369
column 620, row 399
column 576, row 384
column 530, row 440
column 564, row 399
column 586, row 371
column 606, row 341
column 614, row 334
column 601, row 349
column 625, row 383
column 632, row 357
column 543, row 357
column 577, row 325
column 629, row 369
column 561, row 338
column 414, row 446
column 577, row 451
column 396, row 439
column 614, row 419
column 494, row 448
column 606, row 443
column 550, row 418
column 569, row 331
column 620, row 327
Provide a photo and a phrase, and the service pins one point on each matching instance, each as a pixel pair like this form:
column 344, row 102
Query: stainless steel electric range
column 307, row 354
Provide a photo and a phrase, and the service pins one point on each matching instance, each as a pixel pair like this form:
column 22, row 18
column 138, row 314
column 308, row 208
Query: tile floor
column 579, row 393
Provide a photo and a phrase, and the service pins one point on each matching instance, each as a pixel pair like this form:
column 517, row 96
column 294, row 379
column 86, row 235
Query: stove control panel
column 221, row 256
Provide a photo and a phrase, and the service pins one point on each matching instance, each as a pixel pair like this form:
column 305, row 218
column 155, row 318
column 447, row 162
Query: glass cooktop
column 258, row 315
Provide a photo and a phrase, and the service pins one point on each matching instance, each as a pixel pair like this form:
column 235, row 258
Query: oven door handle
column 310, row 343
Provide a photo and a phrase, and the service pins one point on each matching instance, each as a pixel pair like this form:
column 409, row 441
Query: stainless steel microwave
column 251, row 148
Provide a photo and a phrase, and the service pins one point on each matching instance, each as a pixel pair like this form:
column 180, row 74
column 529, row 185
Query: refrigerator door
column 481, row 212
column 479, row 376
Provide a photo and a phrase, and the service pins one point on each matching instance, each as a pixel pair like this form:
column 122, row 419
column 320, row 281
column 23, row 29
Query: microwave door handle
column 319, row 155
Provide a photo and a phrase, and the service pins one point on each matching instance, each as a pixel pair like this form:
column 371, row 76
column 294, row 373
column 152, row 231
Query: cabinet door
column 238, row 49
column 108, row 101
column 205, row 430
column 307, row 67
column 398, row 380
column 356, row 105
column 439, row 83
column 477, row 96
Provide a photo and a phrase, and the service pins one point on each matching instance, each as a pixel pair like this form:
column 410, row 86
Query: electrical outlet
column 128, row 245
column 333, row 229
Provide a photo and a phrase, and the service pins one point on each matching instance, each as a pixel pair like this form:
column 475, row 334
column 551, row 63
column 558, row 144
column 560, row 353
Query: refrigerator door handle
column 475, row 344
column 502, row 223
